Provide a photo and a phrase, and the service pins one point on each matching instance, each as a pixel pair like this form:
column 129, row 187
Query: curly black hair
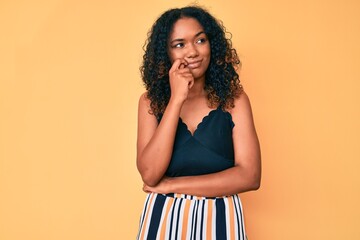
column 222, row 82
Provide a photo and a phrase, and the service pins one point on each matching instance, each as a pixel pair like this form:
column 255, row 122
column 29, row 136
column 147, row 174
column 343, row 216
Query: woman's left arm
column 244, row 176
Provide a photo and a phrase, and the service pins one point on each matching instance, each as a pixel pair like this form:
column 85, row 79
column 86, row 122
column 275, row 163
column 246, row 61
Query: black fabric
column 220, row 220
column 155, row 217
column 209, row 150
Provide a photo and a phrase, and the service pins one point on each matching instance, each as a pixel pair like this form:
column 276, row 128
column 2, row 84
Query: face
column 189, row 42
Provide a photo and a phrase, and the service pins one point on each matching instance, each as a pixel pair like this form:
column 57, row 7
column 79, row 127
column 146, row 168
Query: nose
column 192, row 51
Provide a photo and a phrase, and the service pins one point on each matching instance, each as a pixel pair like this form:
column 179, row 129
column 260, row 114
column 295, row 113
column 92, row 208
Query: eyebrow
column 181, row 39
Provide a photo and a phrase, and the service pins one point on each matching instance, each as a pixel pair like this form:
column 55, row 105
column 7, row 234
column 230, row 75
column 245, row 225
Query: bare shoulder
column 242, row 114
column 144, row 103
column 144, row 109
column 242, row 105
column 144, row 100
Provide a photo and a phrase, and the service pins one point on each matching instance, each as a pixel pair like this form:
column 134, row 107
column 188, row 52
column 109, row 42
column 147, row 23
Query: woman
column 197, row 146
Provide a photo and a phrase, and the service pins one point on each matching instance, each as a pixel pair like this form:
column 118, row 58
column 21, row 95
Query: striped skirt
column 179, row 216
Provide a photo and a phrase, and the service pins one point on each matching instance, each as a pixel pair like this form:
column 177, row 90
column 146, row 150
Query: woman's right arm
column 155, row 141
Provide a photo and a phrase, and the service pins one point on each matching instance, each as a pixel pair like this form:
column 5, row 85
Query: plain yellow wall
column 68, row 107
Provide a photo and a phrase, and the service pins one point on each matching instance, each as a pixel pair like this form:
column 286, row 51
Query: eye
column 178, row 45
column 201, row 40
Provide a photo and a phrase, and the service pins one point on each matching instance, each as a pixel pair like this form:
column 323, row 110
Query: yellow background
column 68, row 107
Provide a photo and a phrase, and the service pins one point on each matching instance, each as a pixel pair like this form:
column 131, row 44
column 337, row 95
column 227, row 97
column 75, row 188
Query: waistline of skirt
column 192, row 197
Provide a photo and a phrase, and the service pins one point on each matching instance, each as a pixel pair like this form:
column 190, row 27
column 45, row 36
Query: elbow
column 255, row 183
column 150, row 181
column 249, row 180
column 150, row 173
column 255, row 179
column 149, row 178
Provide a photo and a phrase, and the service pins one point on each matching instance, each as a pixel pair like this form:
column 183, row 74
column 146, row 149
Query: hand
column 163, row 187
column 181, row 80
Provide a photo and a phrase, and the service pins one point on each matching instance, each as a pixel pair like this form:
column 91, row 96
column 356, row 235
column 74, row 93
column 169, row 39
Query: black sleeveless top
column 208, row 150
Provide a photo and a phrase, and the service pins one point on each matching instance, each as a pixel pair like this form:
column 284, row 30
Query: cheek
column 208, row 51
column 174, row 55
column 208, row 56
column 205, row 51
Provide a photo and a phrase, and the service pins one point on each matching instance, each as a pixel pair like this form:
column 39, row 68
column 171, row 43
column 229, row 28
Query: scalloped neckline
column 203, row 120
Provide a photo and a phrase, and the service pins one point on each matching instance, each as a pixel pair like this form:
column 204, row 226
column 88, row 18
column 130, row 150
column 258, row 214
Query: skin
column 189, row 52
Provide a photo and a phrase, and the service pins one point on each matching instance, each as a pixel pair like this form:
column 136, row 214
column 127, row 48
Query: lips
column 193, row 65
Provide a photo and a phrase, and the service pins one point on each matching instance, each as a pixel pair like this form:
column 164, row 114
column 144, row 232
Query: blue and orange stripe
column 180, row 216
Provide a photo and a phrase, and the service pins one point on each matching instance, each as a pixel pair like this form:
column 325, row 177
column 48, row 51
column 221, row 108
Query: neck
column 197, row 89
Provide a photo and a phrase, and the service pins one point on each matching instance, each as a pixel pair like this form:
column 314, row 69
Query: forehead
column 185, row 27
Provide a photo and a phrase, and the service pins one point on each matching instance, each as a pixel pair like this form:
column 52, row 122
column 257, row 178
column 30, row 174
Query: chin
column 197, row 73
